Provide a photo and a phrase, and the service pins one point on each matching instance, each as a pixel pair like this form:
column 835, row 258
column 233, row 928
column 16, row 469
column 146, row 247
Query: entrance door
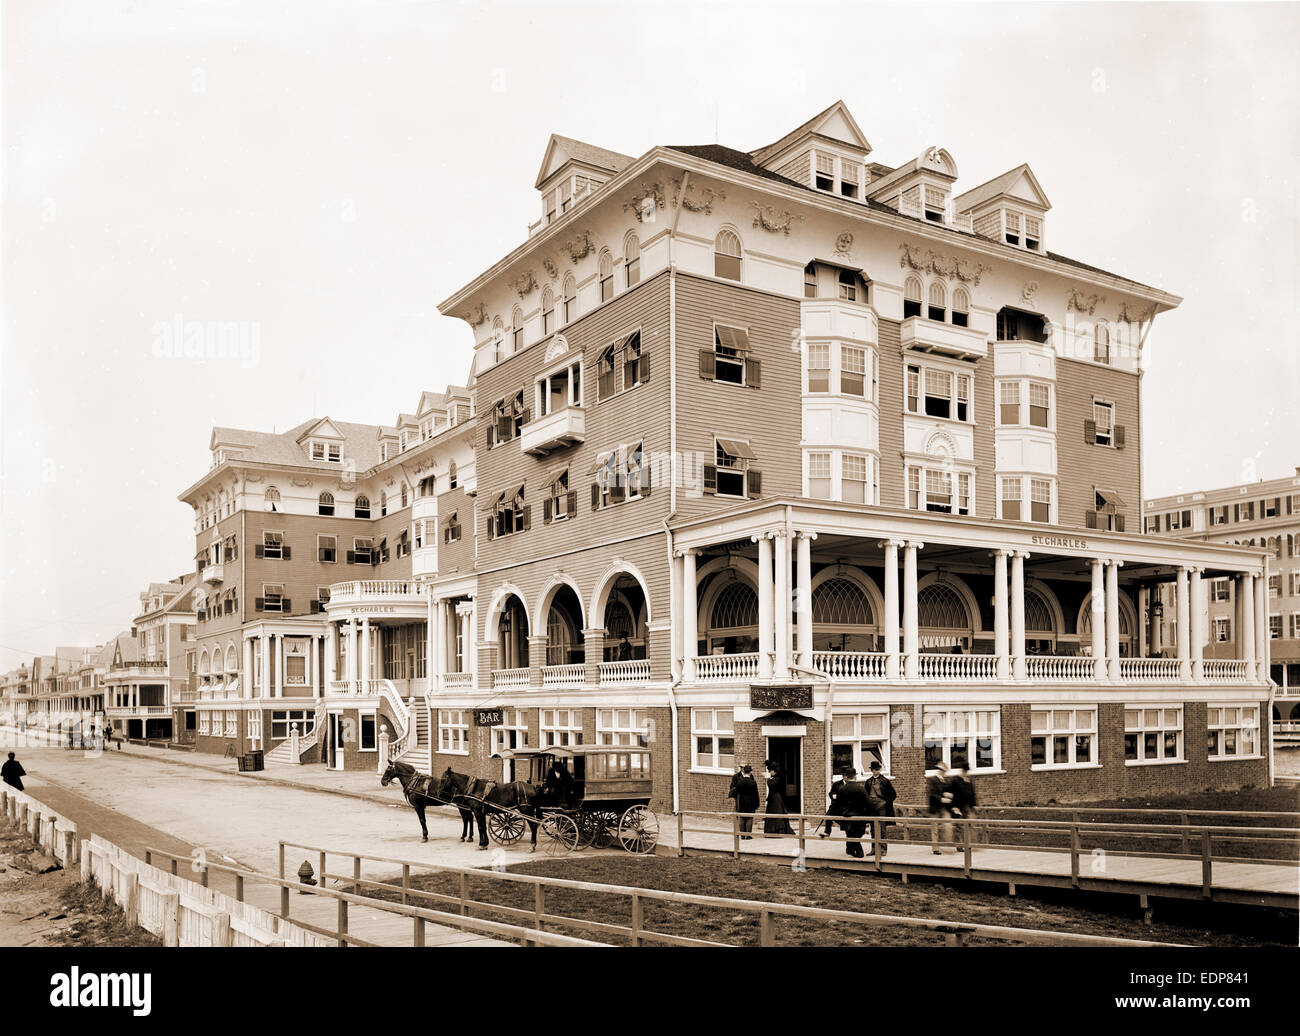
column 787, row 753
column 336, row 727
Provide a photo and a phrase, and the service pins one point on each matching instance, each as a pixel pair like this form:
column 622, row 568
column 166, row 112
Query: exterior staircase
column 419, row 752
column 283, row 752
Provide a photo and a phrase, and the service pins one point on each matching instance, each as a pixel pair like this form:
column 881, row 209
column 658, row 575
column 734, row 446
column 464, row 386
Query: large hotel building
column 781, row 454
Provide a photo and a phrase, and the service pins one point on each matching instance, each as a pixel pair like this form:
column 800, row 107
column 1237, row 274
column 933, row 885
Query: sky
column 322, row 174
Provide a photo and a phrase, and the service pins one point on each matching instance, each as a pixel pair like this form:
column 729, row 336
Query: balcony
column 554, row 431
column 141, row 670
column 361, row 590
column 510, row 679
column 214, row 574
column 852, row 666
column 355, row 688
column 628, row 671
column 958, row 668
column 932, row 336
column 726, row 668
column 570, row 675
column 457, row 681
column 837, row 318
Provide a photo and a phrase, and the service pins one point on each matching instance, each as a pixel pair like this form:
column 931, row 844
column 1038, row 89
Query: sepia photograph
column 796, row 475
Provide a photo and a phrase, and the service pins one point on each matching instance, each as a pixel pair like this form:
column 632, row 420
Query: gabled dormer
column 571, row 170
column 322, row 441
column 1009, row 208
column 388, row 444
column 408, row 432
column 226, row 444
column 921, row 187
column 827, row 153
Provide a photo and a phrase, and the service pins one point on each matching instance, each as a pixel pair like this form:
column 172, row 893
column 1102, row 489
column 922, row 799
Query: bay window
column 819, row 368
column 819, row 476
column 1040, row 404
column 1009, row 402
column 1040, row 500
column 1011, row 498
column 853, row 369
column 854, row 480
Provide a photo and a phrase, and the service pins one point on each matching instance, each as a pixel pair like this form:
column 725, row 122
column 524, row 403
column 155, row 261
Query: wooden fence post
column 69, row 848
column 356, row 875
column 1186, row 821
column 638, row 919
column 1074, row 855
column 322, row 870
column 464, row 896
column 239, row 887
column 539, row 905
column 131, row 895
column 171, row 925
column 735, row 836
column 406, row 882
column 284, row 901
column 343, row 922
column 85, row 862
column 35, row 827
column 766, row 928
column 681, row 834
column 418, row 939
column 221, row 929
column 282, row 859
column 1207, row 883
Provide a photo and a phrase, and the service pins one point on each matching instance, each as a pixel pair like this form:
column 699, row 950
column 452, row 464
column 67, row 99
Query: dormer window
column 1012, row 231
column 848, row 286
column 383, row 451
column 326, row 451
column 936, row 204
column 825, row 179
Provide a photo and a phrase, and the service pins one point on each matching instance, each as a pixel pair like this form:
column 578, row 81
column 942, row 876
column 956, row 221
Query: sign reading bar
column 771, row 697
column 489, row 717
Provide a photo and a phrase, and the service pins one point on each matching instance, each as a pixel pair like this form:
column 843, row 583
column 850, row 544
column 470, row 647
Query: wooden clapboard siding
column 639, row 414
column 893, row 472
column 985, row 449
column 1082, row 466
column 457, row 557
column 770, row 416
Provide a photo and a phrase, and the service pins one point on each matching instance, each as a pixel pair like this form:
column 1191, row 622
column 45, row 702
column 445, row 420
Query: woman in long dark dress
column 775, row 822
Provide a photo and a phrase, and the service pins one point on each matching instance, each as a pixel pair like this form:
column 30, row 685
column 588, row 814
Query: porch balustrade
column 563, row 675
column 1155, row 670
column 958, row 667
column 1224, row 670
column 628, row 671
column 724, row 668
column 851, row 665
column 457, row 681
column 1061, row 668
column 510, row 679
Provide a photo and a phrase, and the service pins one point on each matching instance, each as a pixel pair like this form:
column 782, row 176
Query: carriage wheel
column 607, row 831
column 561, row 834
column 505, row 828
column 639, row 830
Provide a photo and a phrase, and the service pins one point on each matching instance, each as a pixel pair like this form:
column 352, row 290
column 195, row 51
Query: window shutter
column 546, row 511
column 595, row 496
column 284, row 552
column 315, row 607
column 1090, row 519
column 1119, row 437
column 571, row 502
column 491, row 436
column 528, row 517
column 505, row 428
column 616, row 492
column 527, row 415
column 259, row 604
column 645, row 476
column 753, row 373
column 643, row 367
column 491, row 527
column 754, row 480
column 352, row 557
column 708, row 364
column 1090, row 431
column 258, row 551
column 710, row 478
column 1236, row 512
column 1119, row 523
column 286, row 605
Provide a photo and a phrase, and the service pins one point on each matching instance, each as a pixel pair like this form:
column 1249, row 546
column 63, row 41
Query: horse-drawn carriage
column 604, row 801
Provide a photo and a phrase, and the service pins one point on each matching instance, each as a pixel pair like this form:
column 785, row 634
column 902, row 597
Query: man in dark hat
column 12, row 773
column 744, row 789
column 852, row 802
column 880, row 797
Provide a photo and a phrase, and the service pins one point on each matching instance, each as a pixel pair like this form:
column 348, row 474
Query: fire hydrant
column 305, row 877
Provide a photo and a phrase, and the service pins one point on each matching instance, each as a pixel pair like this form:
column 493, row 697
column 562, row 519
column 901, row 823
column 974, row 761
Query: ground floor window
column 859, row 739
column 281, row 722
column 561, row 727
column 189, row 720
column 1153, row 735
column 205, row 723
column 967, row 738
column 232, row 723
column 255, row 727
column 1062, row 737
column 623, row 727
column 1232, row 731
column 453, row 731
column 369, row 733
column 714, row 733
column 512, row 734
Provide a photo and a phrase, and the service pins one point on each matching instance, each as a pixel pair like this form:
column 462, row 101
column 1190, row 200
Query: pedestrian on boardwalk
column 833, row 809
column 13, row 773
column 852, row 802
column 963, row 801
column 744, row 789
column 940, row 796
column 776, row 823
column 880, row 797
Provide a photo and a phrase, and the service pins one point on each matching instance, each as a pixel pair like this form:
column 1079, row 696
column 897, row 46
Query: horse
column 482, row 794
column 419, row 792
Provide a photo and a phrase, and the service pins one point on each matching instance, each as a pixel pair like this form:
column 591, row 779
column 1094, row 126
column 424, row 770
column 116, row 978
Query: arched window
column 840, row 602
column 570, row 298
column 1101, row 344
column 618, row 622
column 938, row 309
column 516, row 329
column 403, row 494
column 1038, row 616
column 272, row 498
column 205, row 665
column 939, row 606
column 451, row 475
column 325, row 504
column 362, row 507
column 810, row 281
column 606, row 276
column 727, row 255
column 912, row 297
column 735, row 607
column 961, row 307
column 632, row 259
column 548, row 311
column 232, row 660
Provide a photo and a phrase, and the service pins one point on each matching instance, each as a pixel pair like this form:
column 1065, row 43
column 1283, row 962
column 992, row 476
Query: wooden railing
column 765, row 914
column 628, row 671
column 958, row 667
column 725, row 668
column 510, row 679
column 568, row 675
column 1061, row 668
column 851, row 665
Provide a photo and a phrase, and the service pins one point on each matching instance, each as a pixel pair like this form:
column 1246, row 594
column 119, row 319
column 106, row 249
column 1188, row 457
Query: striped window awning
column 737, row 448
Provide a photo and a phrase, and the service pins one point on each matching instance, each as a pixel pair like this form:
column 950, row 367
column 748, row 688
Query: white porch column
column 889, row 622
column 1245, row 591
column 440, row 640
column 1196, row 600
column 264, row 677
column 803, row 601
column 432, row 663
column 781, row 604
column 1001, row 643
column 1262, row 645
column 675, row 651
column 690, row 617
column 1143, row 607
column 911, row 632
column 766, row 632
column 248, row 668
column 1184, row 612
column 313, row 659
column 279, row 665
column 471, row 644
column 365, row 653
column 354, row 653
column 1112, row 618
column 1098, row 615
column 1018, row 614
column 331, row 655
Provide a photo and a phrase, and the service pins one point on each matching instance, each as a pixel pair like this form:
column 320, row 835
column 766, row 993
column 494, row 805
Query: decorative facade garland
column 524, row 283
column 1027, row 292
column 765, row 216
column 548, row 264
column 942, row 266
column 1081, row 303
column 705, row 201
column 648, row 199
column 580, row 247
column 1125, row 317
